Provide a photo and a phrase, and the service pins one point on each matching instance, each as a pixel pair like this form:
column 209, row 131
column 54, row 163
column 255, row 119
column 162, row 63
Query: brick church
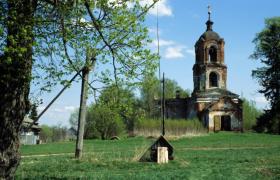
column 211, row 102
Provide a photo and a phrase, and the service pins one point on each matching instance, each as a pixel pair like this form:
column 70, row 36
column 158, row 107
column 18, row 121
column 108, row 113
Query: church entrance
column 225, row 123
column 217, row 123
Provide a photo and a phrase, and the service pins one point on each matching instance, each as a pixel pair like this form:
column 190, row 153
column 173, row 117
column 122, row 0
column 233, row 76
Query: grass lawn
column 223, row 155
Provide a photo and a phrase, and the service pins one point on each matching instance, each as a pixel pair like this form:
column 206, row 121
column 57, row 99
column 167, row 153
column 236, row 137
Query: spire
column 209, row 23
column 209, row 12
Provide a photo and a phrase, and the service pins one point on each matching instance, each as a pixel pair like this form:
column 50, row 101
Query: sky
column 181, row 22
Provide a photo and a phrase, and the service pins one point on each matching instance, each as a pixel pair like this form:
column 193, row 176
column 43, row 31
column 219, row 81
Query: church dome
column 210, row 35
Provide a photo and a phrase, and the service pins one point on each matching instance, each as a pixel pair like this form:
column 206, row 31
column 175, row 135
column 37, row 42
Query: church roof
column 210, row 35
column 229, row 104
column 216, row 92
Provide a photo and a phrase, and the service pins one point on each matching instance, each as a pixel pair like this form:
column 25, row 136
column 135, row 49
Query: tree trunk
column 15, row 76
column 82, row 113
column 89, row 65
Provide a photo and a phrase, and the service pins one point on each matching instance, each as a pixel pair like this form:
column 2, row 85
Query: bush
column 106, row 122
column 178, row 127
column 250, row 114
column 46, row 134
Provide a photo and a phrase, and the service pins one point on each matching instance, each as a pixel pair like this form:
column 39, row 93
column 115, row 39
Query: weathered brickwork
column 211, row 102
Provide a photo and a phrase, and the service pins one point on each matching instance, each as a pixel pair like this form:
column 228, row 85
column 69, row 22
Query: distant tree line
column 118, row 109
column 54, row 133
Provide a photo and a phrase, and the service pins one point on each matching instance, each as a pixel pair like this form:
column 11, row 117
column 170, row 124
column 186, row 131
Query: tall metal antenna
column 163, row 105
column 158, row 46
column 159, row 75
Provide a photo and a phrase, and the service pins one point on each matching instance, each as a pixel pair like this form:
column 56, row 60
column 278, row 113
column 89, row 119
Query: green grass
column 214, row 156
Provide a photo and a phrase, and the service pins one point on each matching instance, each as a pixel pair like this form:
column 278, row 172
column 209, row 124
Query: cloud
column 59, row 110
column 153, row 30
column 161, row 6
column 56, row 114
column 70, row 108
column 174, row 52
column 261, row 100
column 163, row 42
column 172, row 49
column 190, row 51
column 64, row 109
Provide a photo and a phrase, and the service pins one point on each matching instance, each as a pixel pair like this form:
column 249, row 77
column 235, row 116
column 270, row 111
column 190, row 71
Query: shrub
column 250, row 114
column 106, row 121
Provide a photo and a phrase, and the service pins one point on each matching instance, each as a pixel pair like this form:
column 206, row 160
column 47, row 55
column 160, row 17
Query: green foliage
column 214, row 156
column 59, row 133
column 46, row 134
column 151, row 92
column 122, row 108
column 106, row 121
column 250, row 114
column 73, row 120
column 33, row 112
column 122, row 100
column 178, row 127
column 53, row 37
column 53, row 133
column 267, row 50
column 114, row 33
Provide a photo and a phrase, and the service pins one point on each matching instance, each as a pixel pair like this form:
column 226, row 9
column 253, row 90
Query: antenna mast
column 159, row 75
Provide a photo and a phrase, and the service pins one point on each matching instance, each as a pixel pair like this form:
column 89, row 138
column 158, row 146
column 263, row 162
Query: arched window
column 213, row 79
column 212, row 54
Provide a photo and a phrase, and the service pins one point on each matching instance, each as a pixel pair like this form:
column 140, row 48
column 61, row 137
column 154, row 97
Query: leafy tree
column 151, row 91
column 16, row 40
column 250, row 114
column 267, row 50
column 33, row 112
column 59, row 133
column 53, row 133
column 107, row 122
column 53, row 37
column 90, row 130
column 73, row 120
column 119, row 100
column 46, row 133
column 123, row 101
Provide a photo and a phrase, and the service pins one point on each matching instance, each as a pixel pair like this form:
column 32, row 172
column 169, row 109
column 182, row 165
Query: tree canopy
column 48, row 40
column 267, row 51
column 151, row 91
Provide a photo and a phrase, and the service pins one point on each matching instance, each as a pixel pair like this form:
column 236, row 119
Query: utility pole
column 163, row 105
column 90, row 62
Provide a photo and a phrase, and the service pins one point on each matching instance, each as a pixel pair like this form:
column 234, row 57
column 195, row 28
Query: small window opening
column 213, row 78
column 213, row 54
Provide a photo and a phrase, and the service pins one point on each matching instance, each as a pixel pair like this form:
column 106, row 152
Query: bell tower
column 215, row 106
column 209, row 70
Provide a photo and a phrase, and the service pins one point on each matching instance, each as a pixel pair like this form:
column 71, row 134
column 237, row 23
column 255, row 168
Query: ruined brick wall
column 224, row 108
column 176, row 108
column 203, row 66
